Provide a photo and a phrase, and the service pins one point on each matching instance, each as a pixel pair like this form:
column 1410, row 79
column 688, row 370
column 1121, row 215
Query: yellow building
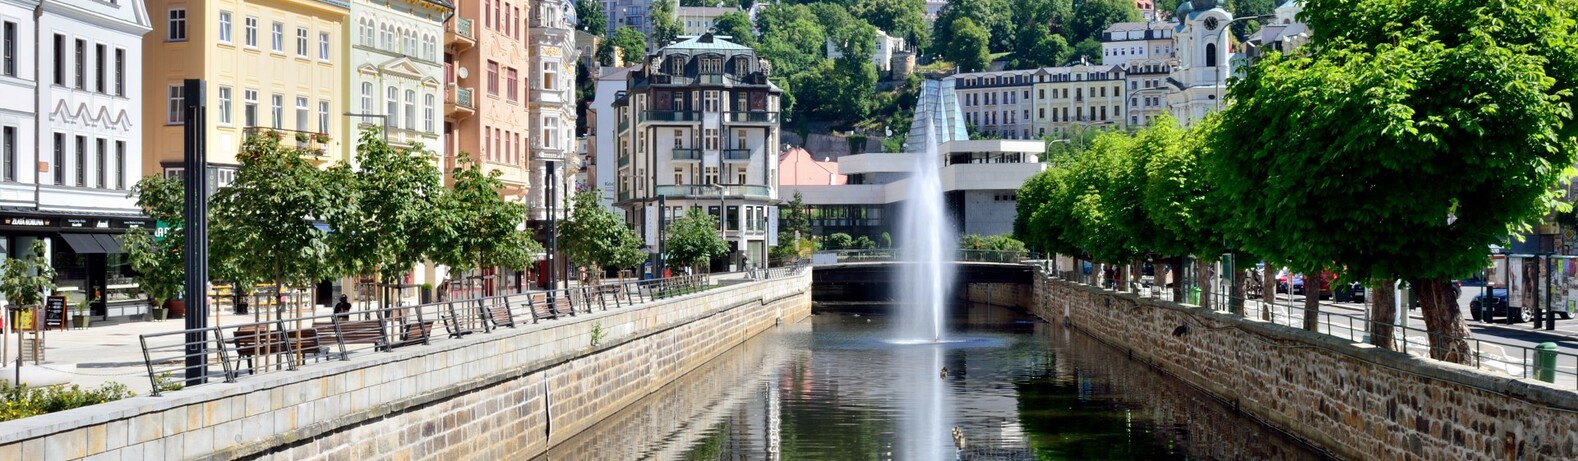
column 268, row 64
column 1078, row 96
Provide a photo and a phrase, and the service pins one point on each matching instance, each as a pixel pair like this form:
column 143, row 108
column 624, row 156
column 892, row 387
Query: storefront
column 90, row 263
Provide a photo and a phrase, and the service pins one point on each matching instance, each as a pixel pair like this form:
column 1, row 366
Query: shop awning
column 109, row 243
column 83, row 243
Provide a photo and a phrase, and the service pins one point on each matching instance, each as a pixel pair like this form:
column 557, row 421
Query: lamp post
column 1222, row 87
column 553, row 240
column 723, row 213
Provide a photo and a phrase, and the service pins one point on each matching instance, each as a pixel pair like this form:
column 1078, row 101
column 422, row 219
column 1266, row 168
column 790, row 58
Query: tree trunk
column 1268, row 292
column 1175, row 277
column 1205, row 278
column 1383, row 308
column 1135, row 272
column 1311, row 299
column 1235, row 293
column 1444, row 321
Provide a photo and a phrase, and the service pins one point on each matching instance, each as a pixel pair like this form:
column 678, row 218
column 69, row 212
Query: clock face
column 1211, row 23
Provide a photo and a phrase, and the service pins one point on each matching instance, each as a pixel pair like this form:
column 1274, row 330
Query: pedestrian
column 342, row 309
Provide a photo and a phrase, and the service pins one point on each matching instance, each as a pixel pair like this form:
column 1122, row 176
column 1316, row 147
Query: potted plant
column 301, row 138
column 320, row 138
column 79, row 311
column 427, row 293
column 25, row 280
column 157, row 311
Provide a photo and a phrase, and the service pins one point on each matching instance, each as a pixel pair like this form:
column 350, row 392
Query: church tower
column 1203, row 51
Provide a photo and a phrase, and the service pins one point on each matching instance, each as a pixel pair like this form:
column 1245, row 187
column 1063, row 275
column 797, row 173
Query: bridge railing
column 962, row 255
column 237, row 351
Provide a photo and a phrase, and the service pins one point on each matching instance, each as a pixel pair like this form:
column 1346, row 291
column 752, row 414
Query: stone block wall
column 510, row 394
column 1353, row 400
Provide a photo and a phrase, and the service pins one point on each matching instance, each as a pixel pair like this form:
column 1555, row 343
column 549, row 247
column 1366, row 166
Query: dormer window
column 742, row 65
column 676, row 65
column 711, row 65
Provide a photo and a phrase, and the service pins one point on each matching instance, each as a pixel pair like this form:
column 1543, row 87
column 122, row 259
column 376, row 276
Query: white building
column 71, row 136
column 397, row 72
column 697, row 125
column 997, row 103
column 1145, row 51
column 882, row 56
column 699, row 20
column 610, row 84
column 552, row 104
column 1202, row 47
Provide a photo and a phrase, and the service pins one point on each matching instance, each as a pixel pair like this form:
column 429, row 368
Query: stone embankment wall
column 1354, row 400
column 1000, row 294
column 510, row 394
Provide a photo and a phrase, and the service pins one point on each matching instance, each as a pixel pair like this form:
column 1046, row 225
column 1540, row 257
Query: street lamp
column 1222, row 88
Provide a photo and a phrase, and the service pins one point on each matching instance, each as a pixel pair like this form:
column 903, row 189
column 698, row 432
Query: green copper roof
column 705, row 42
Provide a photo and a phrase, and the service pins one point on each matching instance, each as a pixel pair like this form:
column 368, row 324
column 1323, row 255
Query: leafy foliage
column 161, row 268
column 631, row 44
column 267, row 214
column 737, row 25
column 596, row 237
column 693, row 239
column 591, row 17
column 899, row 18
column 384, row 222
column 478, row 227
column 24, row 401
column 968, row 48
column 26, row 279
column 665, row 25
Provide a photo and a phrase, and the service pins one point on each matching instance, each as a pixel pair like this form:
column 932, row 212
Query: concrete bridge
column 867, row 276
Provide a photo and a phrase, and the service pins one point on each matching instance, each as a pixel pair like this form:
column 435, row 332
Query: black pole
column 196, row 163
column 553, row 237
column 662, row 224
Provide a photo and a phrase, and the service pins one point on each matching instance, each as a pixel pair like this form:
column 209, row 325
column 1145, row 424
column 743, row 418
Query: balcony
column 624, row 124
column 682, row 116
column 312, row 144
column 736, row 155
column 458, row 35
column 459, row 103
column 624, row 161
column 750, row 117
column 705, row 191
column 687, row 154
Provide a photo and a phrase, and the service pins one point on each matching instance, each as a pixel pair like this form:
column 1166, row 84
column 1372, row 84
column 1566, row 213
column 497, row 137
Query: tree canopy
column 665, row 25
column 595, row 237
column 267, row 215
column 384, row 224
column 631, row 44
column 968, row 46
column 482, row 229
column 693, row 239
column 591, row 17
column 736, row 25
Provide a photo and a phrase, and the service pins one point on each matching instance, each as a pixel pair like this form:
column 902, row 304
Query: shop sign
column 77, row 223
column 21, row 221
column 162, row 229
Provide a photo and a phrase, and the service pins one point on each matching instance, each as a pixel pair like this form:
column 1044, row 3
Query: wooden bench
column 540, row 308
column 455, row 322
column 499, row 313
column 412, row 331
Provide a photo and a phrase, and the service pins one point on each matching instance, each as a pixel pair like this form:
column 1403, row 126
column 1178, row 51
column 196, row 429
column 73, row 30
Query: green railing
column 670, row 116
column 687, row 154
column 736, row 154
column 706, row 191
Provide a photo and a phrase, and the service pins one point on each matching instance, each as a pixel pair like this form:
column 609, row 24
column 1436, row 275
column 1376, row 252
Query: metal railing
column 706, row 191
column 1518, row 361
column 686, row 154
column 732, row 155
column 232, row 352
column 670, row 116
column 750, row 117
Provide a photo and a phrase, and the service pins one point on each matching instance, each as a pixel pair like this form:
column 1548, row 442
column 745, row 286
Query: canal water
column 833, row 387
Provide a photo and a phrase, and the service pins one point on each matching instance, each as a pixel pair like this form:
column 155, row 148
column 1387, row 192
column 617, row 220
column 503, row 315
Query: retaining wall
column 510, row 394
column 1355, row 400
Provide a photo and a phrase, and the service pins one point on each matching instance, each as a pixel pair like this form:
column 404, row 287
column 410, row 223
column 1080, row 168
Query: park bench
column 498, row 312
column 540, row 309
column 457, row 321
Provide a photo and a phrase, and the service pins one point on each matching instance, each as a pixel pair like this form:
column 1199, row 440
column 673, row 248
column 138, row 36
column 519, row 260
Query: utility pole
column 196, row 164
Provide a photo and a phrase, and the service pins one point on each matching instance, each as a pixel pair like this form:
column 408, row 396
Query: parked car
column 1457, row 293
column 1327, row 277
column 1499, row 307
column 1356, row 292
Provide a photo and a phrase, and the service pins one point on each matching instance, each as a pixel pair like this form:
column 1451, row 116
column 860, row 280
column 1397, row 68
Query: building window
column 392, row 106
column 278, row 42
column 711, row 65
column 100, row 58
column 120, row 72
column 679, row 139
column 367, row 97
column 101, row 170
column 60, row 64
column 323, row 46
column 1210, row 55
column 177, row 25
column 301, row 42
column 365, row 32
column 278, row 110
column 9, row 67
column 739, row 139
column 177, row 108
column 410, row 109
column 550, row 75
column 323, row 116
column 250, row 112
column 82, row 64
column 8, row 144
column 712, row 175
column 120, row 165
column 710, row 101
column 59, row 167
column 251, row 32
column 302, row 117
column 224, row 27
column 428, row 104
column 487, row 137
column 224, row 105
column 711, row 138
column 493, row 78
column 82, row 161
column 550, row 132
column 510, row 78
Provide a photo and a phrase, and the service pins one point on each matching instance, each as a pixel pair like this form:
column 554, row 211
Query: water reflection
column 832, row 388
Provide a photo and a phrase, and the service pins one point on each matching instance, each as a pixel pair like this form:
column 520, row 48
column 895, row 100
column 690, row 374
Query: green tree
column 1093, row 16
column 791, row 38
column 1390, row 147
column 993, row 16
column 476, row 227
column 1089, row 48
column 968, row 48
column 631, row 44
column 840, row 241
column 595, row 237
column 899, row 18
column 592, row 19
column 1246, row 8
column 665, row 25
column 384, row 224
column 736, row 25
column 693, row 239
column 26, row 279
column 1038, row 47
column 160, row 267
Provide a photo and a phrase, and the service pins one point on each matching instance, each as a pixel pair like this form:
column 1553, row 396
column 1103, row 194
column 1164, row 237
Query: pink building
column 486, row 111
column 798, row 168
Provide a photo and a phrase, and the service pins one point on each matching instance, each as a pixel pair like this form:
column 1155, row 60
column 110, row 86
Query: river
column 833, row 388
